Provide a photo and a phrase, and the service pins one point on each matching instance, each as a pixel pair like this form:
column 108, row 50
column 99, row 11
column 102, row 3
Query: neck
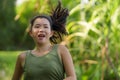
column 42, row 47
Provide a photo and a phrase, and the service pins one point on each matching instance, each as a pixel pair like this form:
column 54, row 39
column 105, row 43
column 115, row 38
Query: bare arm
column 68, row 63
column 18, row 68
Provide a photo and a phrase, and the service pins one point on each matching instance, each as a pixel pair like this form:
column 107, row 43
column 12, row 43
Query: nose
column 41, row 29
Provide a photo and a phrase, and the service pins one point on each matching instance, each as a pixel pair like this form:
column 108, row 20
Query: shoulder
column 62, row 49
column 21, row 56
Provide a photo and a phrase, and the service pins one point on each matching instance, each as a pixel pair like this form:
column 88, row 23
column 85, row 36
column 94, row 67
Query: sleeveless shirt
column 46, row 67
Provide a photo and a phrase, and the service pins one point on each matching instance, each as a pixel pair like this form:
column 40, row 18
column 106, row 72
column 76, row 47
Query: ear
column 30, row 33
column 52, row 32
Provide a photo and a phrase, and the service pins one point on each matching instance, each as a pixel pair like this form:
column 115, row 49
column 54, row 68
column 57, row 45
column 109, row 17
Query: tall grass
column 93, row 41
column 7, row 64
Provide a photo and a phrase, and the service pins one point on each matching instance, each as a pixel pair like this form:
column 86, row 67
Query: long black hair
column 57, row 20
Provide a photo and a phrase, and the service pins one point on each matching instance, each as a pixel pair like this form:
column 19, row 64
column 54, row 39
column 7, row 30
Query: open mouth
column 41, row 36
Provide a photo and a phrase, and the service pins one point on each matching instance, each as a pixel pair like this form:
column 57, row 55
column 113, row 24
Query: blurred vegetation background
column 93, row 40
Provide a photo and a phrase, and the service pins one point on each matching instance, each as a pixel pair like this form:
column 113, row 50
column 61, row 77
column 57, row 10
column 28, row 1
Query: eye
column 45, row 26
column 36, row 26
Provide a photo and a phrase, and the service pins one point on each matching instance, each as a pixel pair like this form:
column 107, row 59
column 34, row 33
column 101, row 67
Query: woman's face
column 41, row 30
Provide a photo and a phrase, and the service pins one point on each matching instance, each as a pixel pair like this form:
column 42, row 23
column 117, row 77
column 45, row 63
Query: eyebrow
column 40, row 24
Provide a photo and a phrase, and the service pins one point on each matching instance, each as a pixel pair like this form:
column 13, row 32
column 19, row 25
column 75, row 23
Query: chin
column 41, row 42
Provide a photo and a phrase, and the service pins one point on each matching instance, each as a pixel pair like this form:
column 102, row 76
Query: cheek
column 33, row 33
column 49, row 33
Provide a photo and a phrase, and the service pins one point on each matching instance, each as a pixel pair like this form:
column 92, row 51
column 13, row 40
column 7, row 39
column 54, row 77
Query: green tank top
column 47, row 67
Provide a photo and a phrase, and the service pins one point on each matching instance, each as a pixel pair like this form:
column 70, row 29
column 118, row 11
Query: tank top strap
column 26, row 57
column 55, row 48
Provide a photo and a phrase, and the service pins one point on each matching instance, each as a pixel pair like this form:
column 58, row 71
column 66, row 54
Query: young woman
column 48, row 60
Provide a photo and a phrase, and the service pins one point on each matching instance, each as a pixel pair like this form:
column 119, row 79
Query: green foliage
column 91, row 39
column 7, row 24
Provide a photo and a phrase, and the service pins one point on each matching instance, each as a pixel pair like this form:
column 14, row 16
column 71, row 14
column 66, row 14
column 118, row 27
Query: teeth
column 41, row 35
